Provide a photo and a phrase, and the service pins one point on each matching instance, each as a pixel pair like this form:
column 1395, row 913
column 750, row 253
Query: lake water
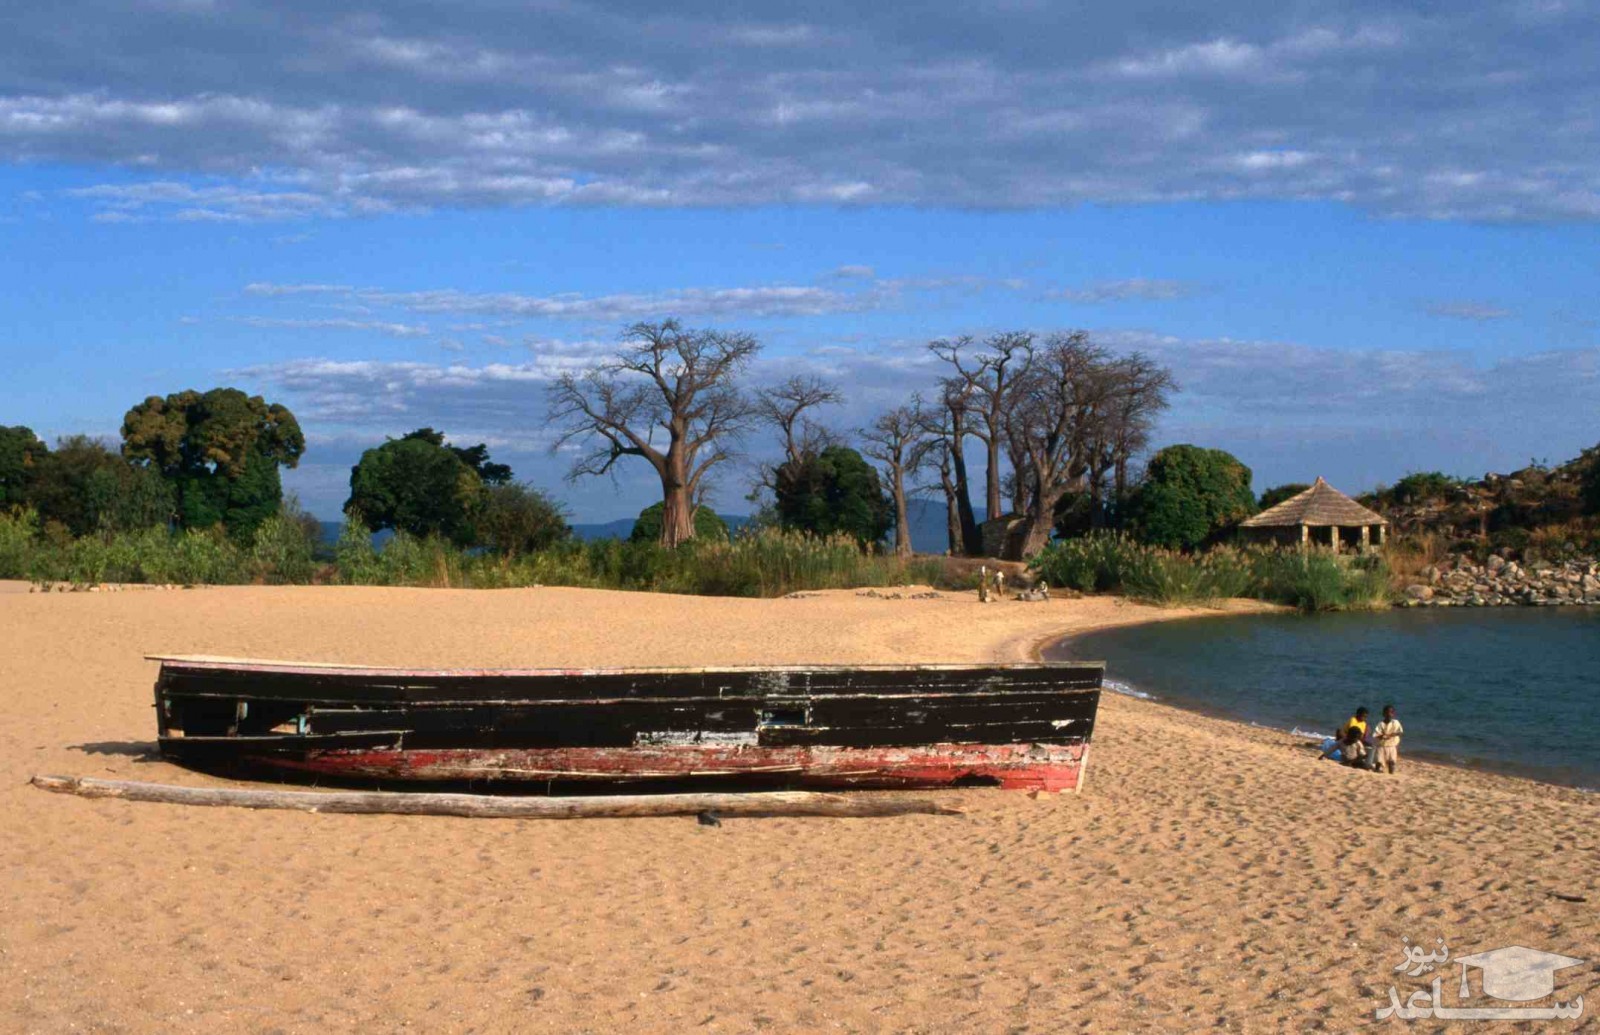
column 1512, row 688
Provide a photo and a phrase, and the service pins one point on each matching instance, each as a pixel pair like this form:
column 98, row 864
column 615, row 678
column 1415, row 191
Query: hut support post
column 1366, row 537
column 1333, row 538
column 1305, row 537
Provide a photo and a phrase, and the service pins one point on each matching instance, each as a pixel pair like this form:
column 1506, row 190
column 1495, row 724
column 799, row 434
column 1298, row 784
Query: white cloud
column 1215, row 57
column 1133, row 289
column 776, row 300
column 1462, row 309
column 1469, row 111
column 393, row 330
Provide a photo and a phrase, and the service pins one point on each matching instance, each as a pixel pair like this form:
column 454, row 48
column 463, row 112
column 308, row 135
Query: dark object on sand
column 1024, row 726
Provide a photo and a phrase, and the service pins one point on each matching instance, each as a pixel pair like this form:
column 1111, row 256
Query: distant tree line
column 190, row 460
column 1061, row 425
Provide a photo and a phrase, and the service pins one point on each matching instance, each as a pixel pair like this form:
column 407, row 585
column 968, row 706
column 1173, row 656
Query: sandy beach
column 1209, row 874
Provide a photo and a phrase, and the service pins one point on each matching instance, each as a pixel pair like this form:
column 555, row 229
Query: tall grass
column 1315, row 580
column 761, row 564
column 1311, row 581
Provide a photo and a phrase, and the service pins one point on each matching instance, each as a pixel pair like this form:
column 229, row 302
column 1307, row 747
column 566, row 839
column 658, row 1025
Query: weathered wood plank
column 481, row 806
column 333, row 685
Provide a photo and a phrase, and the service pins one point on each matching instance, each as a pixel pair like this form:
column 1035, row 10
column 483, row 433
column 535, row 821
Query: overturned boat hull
column 1024, row 726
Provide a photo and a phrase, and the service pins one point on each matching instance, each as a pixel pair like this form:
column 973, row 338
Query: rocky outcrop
column 1497, row 507
column 1504, row 583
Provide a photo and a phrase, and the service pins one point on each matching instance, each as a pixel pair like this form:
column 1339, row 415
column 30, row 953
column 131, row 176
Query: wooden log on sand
column 485, row 806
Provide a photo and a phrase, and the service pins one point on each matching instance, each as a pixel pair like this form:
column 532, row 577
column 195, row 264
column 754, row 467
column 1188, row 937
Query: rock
column 1419, row 592
column 1496, row 562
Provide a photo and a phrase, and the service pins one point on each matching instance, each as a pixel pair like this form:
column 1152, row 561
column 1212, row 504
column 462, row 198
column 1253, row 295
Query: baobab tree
column 784, row 406
column 952, row 422
column 899, row 440
column 988, row 380
column 1136, row 393
column 671, row 396
column 1075, row 397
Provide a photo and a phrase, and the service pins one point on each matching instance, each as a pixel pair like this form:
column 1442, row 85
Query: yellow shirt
column 1360, row 724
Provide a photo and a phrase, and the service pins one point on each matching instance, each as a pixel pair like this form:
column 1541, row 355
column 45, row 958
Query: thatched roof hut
column 1339, row 520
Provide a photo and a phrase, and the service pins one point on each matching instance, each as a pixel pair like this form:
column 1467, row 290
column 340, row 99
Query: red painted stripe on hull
column 1052, row 767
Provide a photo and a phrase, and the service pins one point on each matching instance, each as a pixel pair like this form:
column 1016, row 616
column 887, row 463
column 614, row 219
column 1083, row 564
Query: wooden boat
column 1013, row 725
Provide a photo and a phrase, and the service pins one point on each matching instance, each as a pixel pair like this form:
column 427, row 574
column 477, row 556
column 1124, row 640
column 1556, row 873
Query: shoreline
column 1295, row 735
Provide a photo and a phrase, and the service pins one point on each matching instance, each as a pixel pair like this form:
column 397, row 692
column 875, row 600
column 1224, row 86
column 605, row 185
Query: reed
column 1311, row 581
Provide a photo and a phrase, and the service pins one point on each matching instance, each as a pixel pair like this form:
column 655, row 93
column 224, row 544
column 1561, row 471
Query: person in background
column 1358, row 721
column 1387, row 737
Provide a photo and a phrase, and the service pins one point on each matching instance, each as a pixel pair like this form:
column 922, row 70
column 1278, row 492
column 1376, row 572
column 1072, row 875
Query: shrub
column 354, row 554
column 18, row 530
column 1190, row 496
column 1314, row 580
column 833, row 492
column 708, row 526
column 1311, row 581
column 519, row 519
column 1422, row 486
column 1088, row 564
column 281, row 552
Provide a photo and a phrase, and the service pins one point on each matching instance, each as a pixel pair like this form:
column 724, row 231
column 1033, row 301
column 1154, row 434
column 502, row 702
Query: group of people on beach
column 1377, row 749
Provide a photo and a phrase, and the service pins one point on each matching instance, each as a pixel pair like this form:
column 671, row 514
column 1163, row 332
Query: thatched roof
column 1321, row 505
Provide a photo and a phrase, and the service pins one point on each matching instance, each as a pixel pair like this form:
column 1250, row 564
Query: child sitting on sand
column 1353, row 752
column 1387, row 735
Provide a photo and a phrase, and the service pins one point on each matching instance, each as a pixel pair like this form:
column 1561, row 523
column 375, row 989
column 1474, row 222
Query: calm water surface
column 1514, row 688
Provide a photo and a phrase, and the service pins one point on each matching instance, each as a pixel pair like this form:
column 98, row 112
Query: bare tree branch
column 670, row 396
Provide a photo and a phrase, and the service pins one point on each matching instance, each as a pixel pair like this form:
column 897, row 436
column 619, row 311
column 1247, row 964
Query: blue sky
column 1362, row 235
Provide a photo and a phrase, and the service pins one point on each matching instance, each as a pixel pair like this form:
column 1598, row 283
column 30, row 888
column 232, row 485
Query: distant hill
column 618, row 529
column 621, row 528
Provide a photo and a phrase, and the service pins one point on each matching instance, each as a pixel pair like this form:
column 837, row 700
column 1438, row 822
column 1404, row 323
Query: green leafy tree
column 1279, row 493
column 475, row 457
column 1190, row 495
column 835, row 491
column 419, row 486
column 20, row 455
column 708, row 526
column 221, row 451
column 86, row 488
column 518, row 518
column 1421, row 487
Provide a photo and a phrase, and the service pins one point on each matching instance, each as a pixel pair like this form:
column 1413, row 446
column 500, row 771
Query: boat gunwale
column 320, row 668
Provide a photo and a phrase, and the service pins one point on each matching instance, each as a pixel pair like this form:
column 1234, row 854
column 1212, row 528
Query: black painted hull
column 1017, row 725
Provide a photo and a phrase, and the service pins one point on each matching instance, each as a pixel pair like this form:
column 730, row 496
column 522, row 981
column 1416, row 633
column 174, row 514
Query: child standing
column 1387, row 735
